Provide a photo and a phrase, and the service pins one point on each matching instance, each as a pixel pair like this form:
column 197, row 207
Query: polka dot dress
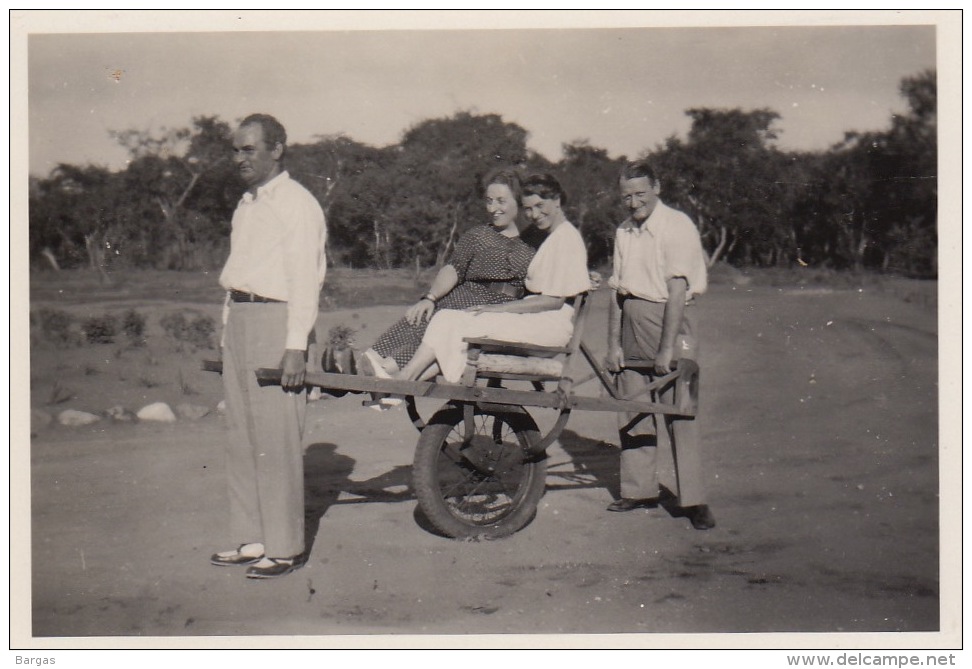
column 482, row 254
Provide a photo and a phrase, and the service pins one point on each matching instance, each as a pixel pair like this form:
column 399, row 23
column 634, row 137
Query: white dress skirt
column 559, row 269
column 447, row 330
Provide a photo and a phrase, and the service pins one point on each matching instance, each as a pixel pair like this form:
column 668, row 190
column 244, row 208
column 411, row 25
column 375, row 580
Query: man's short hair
column 639, row 169
column 273, row 130
column 545, row 186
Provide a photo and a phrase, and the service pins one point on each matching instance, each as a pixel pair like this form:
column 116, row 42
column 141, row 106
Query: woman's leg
column 419, row 365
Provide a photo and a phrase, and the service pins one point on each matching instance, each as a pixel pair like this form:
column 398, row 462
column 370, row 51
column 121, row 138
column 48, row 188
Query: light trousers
column 264, row 452
column 658, row 442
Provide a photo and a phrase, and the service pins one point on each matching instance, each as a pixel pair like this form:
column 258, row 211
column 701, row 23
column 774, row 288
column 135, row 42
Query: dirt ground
column 820, row 418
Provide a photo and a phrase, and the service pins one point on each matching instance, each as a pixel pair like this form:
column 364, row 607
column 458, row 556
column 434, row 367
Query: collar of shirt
column 650, row 225
column 267, row 188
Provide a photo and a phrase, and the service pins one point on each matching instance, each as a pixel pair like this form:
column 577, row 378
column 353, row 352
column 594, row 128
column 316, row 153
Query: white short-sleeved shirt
column 559, row 268
column 665, row 246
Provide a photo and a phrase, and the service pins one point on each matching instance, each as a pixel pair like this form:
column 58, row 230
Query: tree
column 187, row 177
column 346, row 177
column 590, row 180
column 73, row 217
column 436, row 179
column 877, row 192
column 727, row 176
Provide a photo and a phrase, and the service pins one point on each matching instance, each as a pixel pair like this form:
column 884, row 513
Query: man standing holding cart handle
column 273, row 279
column 659, row 268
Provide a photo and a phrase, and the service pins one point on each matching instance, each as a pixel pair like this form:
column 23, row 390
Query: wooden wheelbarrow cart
column 479, row 468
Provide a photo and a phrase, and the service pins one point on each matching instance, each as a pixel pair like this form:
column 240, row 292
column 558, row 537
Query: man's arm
column 615, row 353
column 303, row 241
column 671, row 323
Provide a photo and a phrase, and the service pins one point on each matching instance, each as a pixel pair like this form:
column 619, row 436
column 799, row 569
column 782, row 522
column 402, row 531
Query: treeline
column 869, row 202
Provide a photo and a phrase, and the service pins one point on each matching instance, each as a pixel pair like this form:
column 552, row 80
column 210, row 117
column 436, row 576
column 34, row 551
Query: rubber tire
column 426, row 473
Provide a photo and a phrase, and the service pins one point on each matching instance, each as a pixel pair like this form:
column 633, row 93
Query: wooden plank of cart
column 479, row 468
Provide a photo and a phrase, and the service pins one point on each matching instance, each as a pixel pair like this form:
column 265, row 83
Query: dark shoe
column 234, row 558
column 628, row 504
column 270, row 567
column 701, row 517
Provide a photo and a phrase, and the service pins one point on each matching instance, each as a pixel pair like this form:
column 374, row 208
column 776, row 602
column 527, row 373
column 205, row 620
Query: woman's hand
column 421, row 310
column 485, row 308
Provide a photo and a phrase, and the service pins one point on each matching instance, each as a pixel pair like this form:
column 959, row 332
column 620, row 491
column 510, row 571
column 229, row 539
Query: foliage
column 133, row 325
column 867, row 202
column 727, row 176
column 196, row 330
column 590, row 180
column 341, row 336
column 100, row 329
column 55, row 326
column 60, row 394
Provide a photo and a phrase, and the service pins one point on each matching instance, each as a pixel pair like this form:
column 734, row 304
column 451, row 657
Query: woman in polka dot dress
column 487, row 266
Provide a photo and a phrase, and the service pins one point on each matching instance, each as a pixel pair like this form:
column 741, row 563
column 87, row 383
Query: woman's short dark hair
column 505, row 176
column 544, row 186
column 273, row 130
column 639, row 169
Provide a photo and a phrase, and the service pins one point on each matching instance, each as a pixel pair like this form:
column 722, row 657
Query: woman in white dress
column 557, row 273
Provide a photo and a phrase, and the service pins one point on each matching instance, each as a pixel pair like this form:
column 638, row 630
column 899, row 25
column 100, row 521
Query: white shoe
column 371, row 365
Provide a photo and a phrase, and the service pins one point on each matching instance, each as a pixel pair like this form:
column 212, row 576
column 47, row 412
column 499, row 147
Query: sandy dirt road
column 820, row 416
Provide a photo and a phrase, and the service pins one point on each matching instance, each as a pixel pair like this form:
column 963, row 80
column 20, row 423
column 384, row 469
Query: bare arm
column 444, row 282
column 528, row 305
column 615, row 354
column 671, row 323
column 442, row 285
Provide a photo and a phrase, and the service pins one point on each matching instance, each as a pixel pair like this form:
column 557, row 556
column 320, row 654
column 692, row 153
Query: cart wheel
column 485, row 487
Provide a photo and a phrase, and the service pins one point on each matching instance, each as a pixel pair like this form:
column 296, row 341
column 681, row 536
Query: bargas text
column 34, row 660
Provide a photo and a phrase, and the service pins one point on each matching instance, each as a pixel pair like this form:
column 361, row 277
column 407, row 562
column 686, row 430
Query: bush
column 197, row 332
column 341, row 336
column 55, row 326
column 100, row 329
column 133, row 325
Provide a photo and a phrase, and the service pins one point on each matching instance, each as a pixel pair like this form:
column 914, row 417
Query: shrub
column 133, row 325
column 201, row 332
column 55, row 326
column 60, row 394
column 341, row 336
column 197, row 332
column 100, row 329
column 185, row 386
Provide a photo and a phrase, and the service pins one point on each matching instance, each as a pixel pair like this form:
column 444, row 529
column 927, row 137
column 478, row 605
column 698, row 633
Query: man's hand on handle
column 663, row 360
column 615, row 358
column 293, row 366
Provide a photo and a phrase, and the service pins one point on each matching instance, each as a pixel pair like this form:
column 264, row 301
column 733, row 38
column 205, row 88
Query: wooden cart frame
column 479, row 468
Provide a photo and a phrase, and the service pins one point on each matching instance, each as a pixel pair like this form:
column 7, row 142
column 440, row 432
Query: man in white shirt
column 273, row 279
column 659, row 268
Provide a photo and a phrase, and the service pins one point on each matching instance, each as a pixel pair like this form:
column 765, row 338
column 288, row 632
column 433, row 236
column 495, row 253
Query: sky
column 623, row 87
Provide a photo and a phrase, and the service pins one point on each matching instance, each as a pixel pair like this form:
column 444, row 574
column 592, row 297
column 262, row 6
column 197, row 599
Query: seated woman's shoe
column 371, row 364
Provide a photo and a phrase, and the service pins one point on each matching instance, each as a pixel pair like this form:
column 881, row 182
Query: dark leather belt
column 504, row 287
column 243, row 296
